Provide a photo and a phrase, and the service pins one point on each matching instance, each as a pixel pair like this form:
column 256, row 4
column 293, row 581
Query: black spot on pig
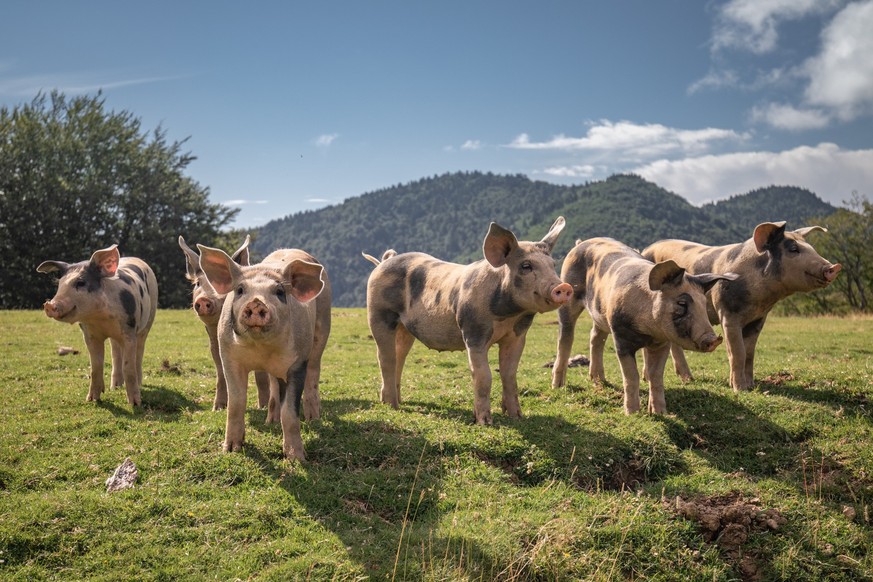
column 753, row 328
column 502, row 303
column 523, row 324
column 136, row 270
column 127, row 279
column 128, row 302
column 476, row 332
column 628, row 340
column 734, row 252
column 417, row 283
column 682, row 321
column 735, row 295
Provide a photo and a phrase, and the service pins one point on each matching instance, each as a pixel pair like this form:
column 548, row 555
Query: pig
column 448, row 306
column 643, row 305
column 109, row 297
column 772, row 265
column 207, row 304
column 277, row 319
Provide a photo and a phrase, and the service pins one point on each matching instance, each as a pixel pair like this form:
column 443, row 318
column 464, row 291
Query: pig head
column 447, row 306
column 113, row 298
column 772, row 265
column 643, row 305
column 207, row 304
column 270, row 321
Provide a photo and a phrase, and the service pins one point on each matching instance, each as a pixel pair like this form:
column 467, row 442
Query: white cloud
column 752, row 25
column 324, row 141
column 647, row 140
column 715, row 80
column 827, row 170
column 318, row 200
column 243, row 202
column 578, row 171
column 472, row 144
column 782, row 116
column 71, row 84
column 841, row 75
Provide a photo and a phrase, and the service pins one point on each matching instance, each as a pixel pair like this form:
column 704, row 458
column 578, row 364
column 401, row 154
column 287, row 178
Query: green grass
column 575, row 490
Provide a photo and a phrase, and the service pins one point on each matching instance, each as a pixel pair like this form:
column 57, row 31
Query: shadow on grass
column 377, row 487
column 157, row 402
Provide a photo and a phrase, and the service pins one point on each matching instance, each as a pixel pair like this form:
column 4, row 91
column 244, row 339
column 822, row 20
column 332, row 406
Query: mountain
column 448, row 216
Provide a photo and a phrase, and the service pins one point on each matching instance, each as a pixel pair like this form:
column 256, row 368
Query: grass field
column 771, row 484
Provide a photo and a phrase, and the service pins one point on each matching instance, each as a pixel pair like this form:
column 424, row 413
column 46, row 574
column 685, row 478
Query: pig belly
column 437, row 333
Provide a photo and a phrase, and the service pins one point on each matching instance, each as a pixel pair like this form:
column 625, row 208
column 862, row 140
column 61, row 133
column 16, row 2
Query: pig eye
column 793, row 248
column 526, row 266
column 682, row 309
column 280, row 292
column 80, row 283
column 239, row 290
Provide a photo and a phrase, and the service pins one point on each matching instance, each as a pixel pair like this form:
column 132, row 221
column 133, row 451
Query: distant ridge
column 447, row 216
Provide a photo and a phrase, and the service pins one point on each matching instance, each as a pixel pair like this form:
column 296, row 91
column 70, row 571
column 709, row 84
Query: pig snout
column 562, row 293
column 255, row 314
column 204, row 306
column 710, row 342
column 830, row 273
column 53, row 309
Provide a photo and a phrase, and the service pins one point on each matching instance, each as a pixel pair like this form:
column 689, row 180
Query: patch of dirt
column 574, row 362
column 727, row 521
column 778, row 379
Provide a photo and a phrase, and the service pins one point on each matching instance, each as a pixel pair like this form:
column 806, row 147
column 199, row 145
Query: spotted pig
column 207, row 304
column 772, row 265
column 447, row 306
column 276, row 319
column 642, row 304
column 109, row 297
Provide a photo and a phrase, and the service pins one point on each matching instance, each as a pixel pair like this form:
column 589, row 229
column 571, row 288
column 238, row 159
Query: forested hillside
column 447, row 216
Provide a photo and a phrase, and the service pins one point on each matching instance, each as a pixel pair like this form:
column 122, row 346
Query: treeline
column 447, row 216
column 75, row 177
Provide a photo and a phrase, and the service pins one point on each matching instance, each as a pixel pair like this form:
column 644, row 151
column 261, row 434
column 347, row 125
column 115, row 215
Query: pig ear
column 304, row 279
column 768, row 234
column 802, row 232
column 499, row 242
column 219, row 268
column 665, row 273
column 708, row 280
column 192, row 260
column 241, row 255
column 52, row 266
column 107, row 259
column 553, row 233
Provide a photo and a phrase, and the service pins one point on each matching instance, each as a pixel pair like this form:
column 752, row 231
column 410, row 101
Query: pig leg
column 680, row 364
column 262, row 381
column 655, row 362
column 631, row 379
column 131, row 376
column 274, row 413
column 117, row 367
column 509, row 356
column 478, row 357
column 568, row 315
column 220, row 402
column 140, row 352
column 311, row 395
column 386, row 351
column 237, row 380
column 736, row 349
column 751, row 333
column 402, row 343
column 596, row 344
column 290, row 394
column 96, row 351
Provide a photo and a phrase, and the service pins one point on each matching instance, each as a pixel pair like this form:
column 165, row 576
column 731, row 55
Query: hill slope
column 447, row 216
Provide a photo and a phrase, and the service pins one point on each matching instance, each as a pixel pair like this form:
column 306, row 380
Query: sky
column 291, row 106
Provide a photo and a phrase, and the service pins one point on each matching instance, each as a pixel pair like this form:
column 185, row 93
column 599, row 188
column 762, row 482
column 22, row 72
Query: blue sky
column 291, row 106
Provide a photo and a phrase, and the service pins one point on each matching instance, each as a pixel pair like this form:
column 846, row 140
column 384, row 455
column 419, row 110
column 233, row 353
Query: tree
column 75, row 178
column 850, row 242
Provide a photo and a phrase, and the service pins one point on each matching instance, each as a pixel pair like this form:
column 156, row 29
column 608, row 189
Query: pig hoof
column 484, row 420
column 219, row 406
column 231, row 447
column 294, row 455
column 686, row 378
